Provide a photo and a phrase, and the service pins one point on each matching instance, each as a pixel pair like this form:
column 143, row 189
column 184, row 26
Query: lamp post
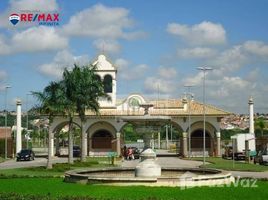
column 189, row 117
column 204, row 69
column 6, row 88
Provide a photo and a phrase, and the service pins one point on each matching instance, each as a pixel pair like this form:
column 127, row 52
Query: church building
column 104, row 133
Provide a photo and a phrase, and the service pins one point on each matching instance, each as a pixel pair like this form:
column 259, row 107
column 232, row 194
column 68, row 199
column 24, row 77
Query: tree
column 261, row 124
column 83, row 88
column 52, row 101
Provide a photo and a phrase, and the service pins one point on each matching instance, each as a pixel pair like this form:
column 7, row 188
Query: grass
column 57, row 188
column 58, row 169
column 224, row 164
column 2, row 159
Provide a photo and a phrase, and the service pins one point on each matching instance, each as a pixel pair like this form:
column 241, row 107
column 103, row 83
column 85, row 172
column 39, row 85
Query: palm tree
column 83, row 89
column 51, row 103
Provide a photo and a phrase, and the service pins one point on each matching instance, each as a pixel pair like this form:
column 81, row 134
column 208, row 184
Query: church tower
column 107, row 74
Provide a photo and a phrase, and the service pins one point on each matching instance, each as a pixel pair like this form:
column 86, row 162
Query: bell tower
column 107, row 74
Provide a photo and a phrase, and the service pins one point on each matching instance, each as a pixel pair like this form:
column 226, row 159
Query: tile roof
column 172, row 107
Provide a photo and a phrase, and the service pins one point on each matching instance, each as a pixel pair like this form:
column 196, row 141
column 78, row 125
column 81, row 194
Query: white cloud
column 165, row 81
column 33, row 5
column 3, row 77
column 256, row 47
column 155, row 84
column 193, row 80
column 253, row 75
column 230, row 60
column 197, row 52
column 38, row 39
column 103, row 22
column 167, row 72
column 63, row 59
column 233, row 91
column 127, row 72
column 18, row 6
column 4, row 47
column 110, row 46
column 205, row 33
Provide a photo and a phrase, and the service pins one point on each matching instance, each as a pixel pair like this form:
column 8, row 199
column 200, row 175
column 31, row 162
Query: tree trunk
column 49, row 159
column 70, row 146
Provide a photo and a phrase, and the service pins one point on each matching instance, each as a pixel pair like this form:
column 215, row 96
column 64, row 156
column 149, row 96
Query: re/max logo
column 49, row 19
column 40, row 17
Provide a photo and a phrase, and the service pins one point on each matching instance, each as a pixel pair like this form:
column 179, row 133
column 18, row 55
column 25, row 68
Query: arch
column 197, row 139
column 108, row 83
column 177, row 129
column 200, row 125
column 102, row 139
column 99, row 125
column 98, row 77
column 62, row 124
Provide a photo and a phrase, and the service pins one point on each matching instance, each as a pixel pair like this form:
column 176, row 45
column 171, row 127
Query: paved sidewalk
column 12, row 163
column 257, row 175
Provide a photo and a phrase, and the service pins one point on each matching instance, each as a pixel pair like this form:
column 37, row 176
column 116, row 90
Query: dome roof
column 103, row 64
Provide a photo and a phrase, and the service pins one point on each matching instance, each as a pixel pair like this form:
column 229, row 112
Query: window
column 108, row 84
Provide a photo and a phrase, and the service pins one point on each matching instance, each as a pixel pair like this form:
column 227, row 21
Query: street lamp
column 188, row 93
column 204, row 69
column 6, row 88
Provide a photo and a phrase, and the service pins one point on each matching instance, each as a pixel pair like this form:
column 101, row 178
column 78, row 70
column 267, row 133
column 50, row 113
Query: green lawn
column 57, row 188
column 224, row 164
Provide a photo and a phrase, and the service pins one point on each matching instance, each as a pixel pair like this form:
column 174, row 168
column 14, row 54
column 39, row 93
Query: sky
column 156, row 46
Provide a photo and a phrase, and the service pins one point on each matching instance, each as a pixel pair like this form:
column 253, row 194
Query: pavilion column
column 52, row 145
column 118, row 144
column 159, row 141
column 218, row 134
column 84, row 145
column 57, row 139
column 89, row 145
column 184, row 144
column 50, row 139
column 18, row 136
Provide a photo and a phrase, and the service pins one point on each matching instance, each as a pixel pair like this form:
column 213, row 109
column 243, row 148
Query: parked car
column 25, row 154
column 63, row 151
column 262, row 157
column 76, row 151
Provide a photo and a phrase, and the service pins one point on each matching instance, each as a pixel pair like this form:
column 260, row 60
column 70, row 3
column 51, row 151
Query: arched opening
column 108, row 84
column 61, row 139
column 102, row 139
column 98, row 78
column 197, row 139
column 197, row 143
